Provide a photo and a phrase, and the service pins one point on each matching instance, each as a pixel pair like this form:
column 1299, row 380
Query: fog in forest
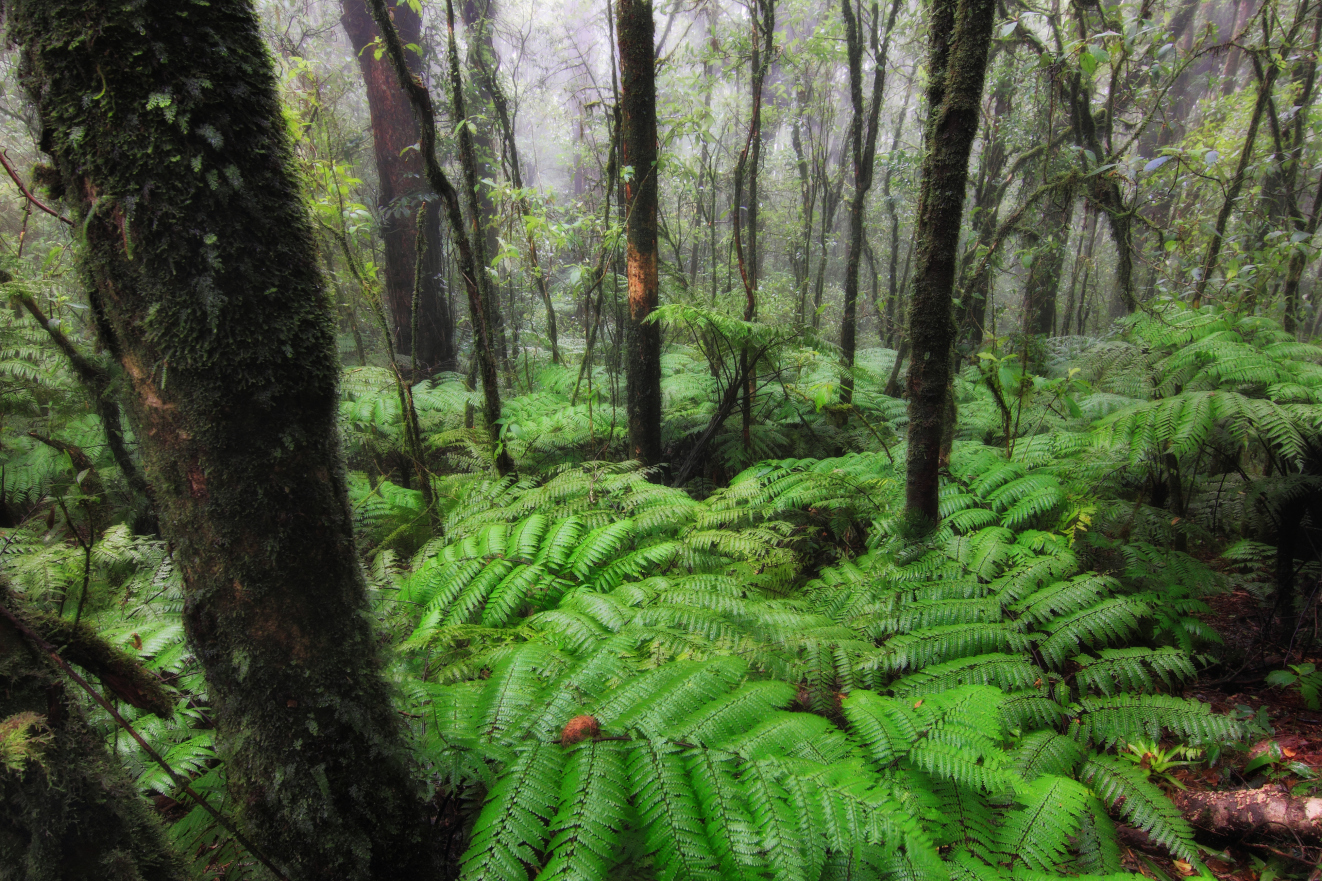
column 506, row 440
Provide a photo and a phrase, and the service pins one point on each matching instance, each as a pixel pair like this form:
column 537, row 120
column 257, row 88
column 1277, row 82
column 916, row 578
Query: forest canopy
column 660, row 439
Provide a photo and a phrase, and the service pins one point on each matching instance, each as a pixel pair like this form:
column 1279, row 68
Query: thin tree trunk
column 863, row 149
column 975, row 292
column 763, row 29
column 893, row 212
column 1047, row 238
column 501, row 106
column 402, row 183
column 1084, row 232
column 477, row 17
column 802, row 260
column 959, row 37
column 638, row 139
column 97, row 382
column 1236, row 184
column 471, row 265
column 215, row 310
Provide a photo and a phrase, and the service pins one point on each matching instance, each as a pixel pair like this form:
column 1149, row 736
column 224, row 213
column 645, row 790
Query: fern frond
column 1123, row 786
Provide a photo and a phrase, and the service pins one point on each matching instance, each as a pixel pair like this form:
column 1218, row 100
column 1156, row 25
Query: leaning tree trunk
column 863, row 150
column 959, row 37
column 638, row 139
column 401, row 185
column 170, row 148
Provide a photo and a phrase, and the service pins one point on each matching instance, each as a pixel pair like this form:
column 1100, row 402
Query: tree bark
column 638, row 139
column 959, row 37
column 1269, row 812
column 863, row 149
column 402, row 184
column 203, row 273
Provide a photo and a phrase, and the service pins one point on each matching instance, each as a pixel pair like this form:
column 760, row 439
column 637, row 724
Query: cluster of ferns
column 776, row 678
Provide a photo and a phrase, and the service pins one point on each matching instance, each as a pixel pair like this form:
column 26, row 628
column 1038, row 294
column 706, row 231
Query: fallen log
column 1269, row 812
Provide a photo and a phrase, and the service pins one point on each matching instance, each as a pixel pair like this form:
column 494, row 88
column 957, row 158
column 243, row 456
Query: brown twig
column 27, row 194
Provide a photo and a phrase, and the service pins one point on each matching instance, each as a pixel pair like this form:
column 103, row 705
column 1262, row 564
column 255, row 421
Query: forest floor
column 1278, row 719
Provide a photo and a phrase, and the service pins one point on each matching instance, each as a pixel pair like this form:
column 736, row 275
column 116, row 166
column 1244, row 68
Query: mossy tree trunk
column 862, row 142
column 402, row 185
column 959, row 36
column 167, row 134
column 638, row 139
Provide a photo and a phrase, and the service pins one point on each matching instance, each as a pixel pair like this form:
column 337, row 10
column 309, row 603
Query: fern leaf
column 1111, row 620
column 668, row 808
column 1046, row 752
column 1038, row 835
column 593, row 806
column 511, row 830
column 1123, row 786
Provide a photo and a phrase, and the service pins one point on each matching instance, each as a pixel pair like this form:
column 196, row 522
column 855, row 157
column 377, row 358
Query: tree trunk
column 638, row 139
column 764, row 18
column 988, row 192
column 402, row 184
column 500, row 104
column 1236, row 184
column 959, row 37
column 802, row 259
column 204, row 273
column 1269, row 812
column 477, row 16
column 1047, row 237
column 893, row 212
column 863, row 149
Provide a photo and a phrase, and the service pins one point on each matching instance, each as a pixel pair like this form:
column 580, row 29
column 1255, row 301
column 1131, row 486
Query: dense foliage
column 748, row 662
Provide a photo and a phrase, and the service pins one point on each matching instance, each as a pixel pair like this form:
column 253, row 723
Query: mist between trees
column 675, row 439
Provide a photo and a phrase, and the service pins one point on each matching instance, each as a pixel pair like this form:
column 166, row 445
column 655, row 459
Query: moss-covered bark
column 959, row 37
column 67, row 810
column 163, row 122
column 638, row 139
